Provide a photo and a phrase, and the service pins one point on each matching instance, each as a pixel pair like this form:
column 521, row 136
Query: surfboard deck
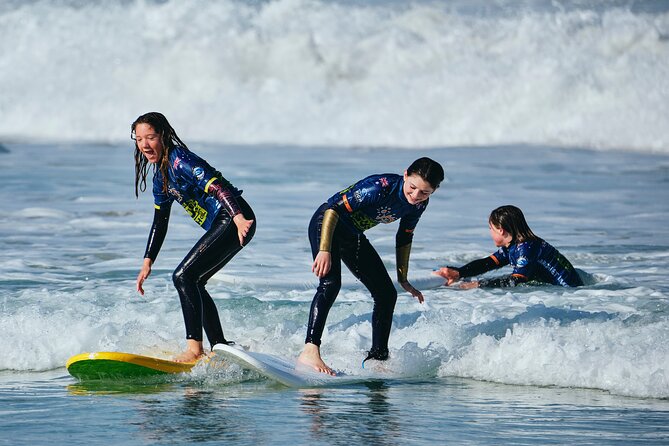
column 118, row 365
column 282, row 370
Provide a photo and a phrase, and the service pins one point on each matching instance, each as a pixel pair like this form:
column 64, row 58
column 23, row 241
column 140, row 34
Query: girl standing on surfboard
column 214, row 204
column 532, row 258
column 336, row 234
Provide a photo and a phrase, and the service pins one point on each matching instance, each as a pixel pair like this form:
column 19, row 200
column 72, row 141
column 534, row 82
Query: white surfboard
column 284, row 371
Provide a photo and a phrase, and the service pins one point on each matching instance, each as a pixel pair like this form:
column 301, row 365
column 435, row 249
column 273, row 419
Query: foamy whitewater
column 558, row 108
column 342, row 73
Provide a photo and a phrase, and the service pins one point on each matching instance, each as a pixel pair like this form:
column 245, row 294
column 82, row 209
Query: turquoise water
column 531, row 365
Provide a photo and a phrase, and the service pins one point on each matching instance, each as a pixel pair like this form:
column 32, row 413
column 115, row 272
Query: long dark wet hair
column 429, row 170
column 169, row 138
column 511, row 219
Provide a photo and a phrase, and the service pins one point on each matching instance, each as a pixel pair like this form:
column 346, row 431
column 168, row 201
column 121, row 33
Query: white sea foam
column 586, row 74
column 627, row 359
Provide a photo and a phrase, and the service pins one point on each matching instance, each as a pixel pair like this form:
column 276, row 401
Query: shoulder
column 182, row 157
column 185, row 162
column 528, row 249
column 502, row 253
column 382, row 181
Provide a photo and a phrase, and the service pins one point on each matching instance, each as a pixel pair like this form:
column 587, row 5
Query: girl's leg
column 366, row 264
column 326, row 293
column 216, row 247
column 328, row 286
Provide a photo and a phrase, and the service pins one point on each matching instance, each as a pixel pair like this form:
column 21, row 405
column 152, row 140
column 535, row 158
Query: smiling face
column 149, row 142
column 416, row 189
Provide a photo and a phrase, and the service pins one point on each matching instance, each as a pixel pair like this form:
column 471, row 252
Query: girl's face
column 499, row 236
column 416, row 189
column 149, row 142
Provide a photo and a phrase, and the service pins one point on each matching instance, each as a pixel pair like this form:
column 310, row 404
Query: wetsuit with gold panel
column 338, row 226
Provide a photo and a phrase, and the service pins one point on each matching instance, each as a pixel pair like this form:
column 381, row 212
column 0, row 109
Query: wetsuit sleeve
column 224, row 195
column 403, row 240
column 330, row 219
column 161, row 218
column 503, row 282
column 408, row 223
column 402, row 254
column 480, row 266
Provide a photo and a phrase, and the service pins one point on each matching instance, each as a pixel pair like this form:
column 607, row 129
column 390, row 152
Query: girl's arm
column 161, row 218
column 225, row 196
column 503, row 281
column 402, row 255
column 227, row 199
column 323, row 261
column 403, row 240
column 477, row 267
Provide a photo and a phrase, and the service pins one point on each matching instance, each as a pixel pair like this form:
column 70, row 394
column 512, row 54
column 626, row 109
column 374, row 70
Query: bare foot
column 194, row 352
column 311, row 356
column 188, row 356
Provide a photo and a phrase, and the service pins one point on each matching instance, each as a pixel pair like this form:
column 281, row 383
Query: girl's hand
column 243, row 226
column 144, row 273
column 413, row 291
column 451, row 275
column 322, row 264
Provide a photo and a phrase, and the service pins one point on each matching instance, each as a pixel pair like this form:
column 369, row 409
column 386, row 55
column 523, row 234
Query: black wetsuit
column 212, row 202
column 373, row 200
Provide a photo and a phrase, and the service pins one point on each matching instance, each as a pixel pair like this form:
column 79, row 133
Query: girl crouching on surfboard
column 532, row 258
column 336, row 234
column 214, row 204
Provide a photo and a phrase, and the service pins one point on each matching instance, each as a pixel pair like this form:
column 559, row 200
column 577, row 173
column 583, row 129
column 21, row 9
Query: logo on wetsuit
column 192, row 207
column 385, row 215
column 198, row 172
column 197, row 212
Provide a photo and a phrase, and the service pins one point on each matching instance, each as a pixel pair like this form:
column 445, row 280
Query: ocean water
column 558, row 108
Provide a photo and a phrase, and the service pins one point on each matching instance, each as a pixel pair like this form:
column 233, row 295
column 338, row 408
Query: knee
column 180, row 277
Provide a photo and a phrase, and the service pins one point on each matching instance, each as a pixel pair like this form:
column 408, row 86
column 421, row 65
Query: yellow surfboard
column 117, row 365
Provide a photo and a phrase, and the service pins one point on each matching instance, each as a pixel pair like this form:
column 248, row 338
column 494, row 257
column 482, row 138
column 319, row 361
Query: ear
column 406, row 175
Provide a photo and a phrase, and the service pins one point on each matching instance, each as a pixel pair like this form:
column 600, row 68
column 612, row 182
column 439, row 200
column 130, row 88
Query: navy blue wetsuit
column 532, row 260
column 372, row 200
column 212, row 202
